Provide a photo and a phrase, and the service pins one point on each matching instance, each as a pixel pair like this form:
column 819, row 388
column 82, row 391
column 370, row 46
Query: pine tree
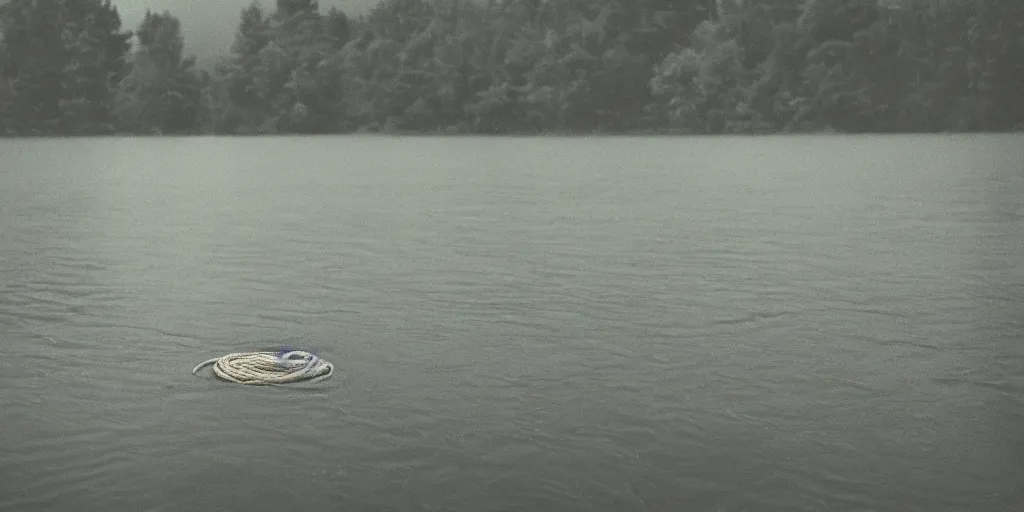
column 62, row 61
column 253, row 32
column 161, row 92
column 288, row 8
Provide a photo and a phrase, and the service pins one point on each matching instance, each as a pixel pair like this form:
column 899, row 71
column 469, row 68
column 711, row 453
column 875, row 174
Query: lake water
column 584, row 324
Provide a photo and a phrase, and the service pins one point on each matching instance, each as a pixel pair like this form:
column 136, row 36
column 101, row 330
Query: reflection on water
column 518, row 324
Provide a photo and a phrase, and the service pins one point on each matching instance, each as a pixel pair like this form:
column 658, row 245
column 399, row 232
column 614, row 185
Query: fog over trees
column 521, row 66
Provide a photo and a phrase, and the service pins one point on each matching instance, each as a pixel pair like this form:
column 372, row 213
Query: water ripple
column 826, row 328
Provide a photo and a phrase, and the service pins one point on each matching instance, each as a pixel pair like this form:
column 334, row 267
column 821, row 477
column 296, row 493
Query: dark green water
column 790, row 324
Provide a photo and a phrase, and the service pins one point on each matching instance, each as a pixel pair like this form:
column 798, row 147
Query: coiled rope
column 269, row 368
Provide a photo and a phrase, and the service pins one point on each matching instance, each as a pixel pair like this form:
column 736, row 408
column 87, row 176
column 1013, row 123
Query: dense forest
column 68, row 67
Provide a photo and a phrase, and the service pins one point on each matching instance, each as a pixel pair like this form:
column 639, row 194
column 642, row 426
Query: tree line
column 67, row 67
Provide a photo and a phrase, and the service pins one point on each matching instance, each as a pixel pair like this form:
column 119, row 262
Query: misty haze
column 209, row 27
column 519, row 255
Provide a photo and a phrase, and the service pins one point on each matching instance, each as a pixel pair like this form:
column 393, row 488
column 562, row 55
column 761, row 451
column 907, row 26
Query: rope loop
column 269, row 368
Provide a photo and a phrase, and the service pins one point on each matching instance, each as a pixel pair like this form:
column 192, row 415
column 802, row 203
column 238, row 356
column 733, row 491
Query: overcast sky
column 209, row 27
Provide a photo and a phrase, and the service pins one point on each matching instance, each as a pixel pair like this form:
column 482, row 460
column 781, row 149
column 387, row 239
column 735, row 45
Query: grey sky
column 209, row 27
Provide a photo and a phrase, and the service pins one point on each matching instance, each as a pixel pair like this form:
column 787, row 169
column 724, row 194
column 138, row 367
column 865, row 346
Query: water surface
column 607, row 324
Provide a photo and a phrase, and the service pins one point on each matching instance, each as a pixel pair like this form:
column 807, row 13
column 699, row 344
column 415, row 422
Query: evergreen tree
column 61, row 61
column 282, row 75
column 253, row 31
column 161, row 93
column 539, row 66
column 288, row 8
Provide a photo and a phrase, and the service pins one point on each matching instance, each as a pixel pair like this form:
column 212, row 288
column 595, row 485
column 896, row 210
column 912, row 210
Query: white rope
column 269, row 368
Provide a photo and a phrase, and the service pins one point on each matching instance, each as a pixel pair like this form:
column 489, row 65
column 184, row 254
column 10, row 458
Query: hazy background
column 209, row 28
